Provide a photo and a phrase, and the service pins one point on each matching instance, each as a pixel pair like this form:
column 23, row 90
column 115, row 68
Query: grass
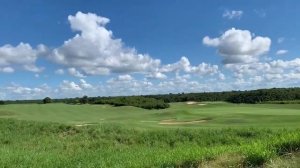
column 217, row 115
column 34, row 135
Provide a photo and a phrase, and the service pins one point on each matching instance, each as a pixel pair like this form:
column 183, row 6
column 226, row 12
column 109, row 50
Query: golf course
column 187, row 134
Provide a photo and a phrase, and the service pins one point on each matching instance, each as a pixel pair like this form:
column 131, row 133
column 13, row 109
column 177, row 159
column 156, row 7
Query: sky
column 65, row 48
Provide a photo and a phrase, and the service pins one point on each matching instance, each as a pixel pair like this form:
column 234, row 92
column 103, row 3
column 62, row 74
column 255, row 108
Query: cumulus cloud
column 20, row 56
column 156, row 75
column 239, row 46
column 274, row 73
column 59, row 72
column 233, row 14
column 95, row 51
column 84, row 85
column 72, row 71
column 184, row 65
column 125, row 77
column 68, row 85
column 121, row 78
column 281, row 52
column 16, row 91
column 7, row 70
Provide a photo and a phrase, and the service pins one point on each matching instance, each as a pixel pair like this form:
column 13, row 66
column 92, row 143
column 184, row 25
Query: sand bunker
column 193, row 102
column 175, row 122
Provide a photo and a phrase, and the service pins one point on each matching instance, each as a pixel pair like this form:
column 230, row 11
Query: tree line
column 161, row 101
column 136, row 101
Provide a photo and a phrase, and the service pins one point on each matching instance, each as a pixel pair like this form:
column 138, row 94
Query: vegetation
column 34, row 144
column 84, row 100
column 279, row 95
column 266, row 95
column 90, row 135
column 2, row 102
column 47, row 100
column 113, row 132
column 213, row 114
column 136, row 101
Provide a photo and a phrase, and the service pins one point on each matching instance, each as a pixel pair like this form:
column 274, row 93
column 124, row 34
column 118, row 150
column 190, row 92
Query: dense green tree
column 84, row 100
column 2, row 102
column 47, row 100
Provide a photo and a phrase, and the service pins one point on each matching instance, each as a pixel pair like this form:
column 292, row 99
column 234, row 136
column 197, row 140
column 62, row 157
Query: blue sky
column 100, row 48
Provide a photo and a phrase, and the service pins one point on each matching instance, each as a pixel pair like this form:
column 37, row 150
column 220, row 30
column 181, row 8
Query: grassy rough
column 233, row 135
column 36, row 144
column 216, row 115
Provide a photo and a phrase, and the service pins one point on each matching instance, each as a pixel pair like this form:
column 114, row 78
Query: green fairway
column 205, row 114
column 206, row 134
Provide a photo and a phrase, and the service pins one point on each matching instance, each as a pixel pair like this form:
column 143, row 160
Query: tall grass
column 34, row 144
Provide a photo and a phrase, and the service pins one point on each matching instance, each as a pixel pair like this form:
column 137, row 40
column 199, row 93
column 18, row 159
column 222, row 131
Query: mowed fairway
column 206, row 134
column 207, row 114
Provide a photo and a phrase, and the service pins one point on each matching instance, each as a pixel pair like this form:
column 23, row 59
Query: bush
column 2, row 102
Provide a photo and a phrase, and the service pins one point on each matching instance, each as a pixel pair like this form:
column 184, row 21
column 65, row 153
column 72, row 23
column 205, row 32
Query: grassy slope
column 216, row 114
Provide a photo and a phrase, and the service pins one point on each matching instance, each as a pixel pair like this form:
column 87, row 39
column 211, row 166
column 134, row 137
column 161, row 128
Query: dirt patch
column 201, row 104
column 175, row 122
column 6, row 113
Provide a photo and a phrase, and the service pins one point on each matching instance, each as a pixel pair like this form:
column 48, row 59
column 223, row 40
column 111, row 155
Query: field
column 206, row 134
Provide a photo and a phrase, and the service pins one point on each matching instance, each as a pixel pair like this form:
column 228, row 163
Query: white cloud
column 59, row 72
column 156, row 75
column 233, row 14
column 184, row 65
column 16, row 91
column 121, row 78
column 280, row 40
column 7, row 70
column 268, row 74
column 125, row 77
column 72, row 71
column 95, row 51
column 222, row 76
column 239, row 46
column 20, row 56
column 69, row 86
column 84, row 85
column 260, row 12
column 281, row 52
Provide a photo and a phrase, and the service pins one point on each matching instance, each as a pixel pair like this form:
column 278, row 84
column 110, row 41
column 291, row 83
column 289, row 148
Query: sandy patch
column 175, row 122
column 83, row 125
column 191, row 102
